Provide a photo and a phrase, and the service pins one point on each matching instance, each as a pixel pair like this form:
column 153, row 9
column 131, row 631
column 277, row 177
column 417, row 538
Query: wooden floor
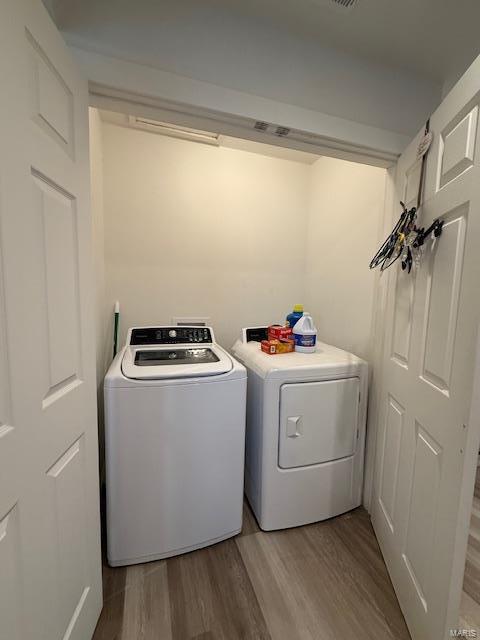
column 322, row 581
column 471, row 579
column 469, row 617
column 470, row 604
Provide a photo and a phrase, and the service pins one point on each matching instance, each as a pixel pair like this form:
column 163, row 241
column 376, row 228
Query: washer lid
column 179, row 361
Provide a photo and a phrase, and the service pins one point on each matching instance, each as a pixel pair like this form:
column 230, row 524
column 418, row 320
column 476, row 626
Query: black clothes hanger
column 393, row 246
column 403, row 240
column 406, row 238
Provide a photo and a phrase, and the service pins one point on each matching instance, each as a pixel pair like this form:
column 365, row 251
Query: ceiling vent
column 344, row 4
column 267, row 127
column 282, row 131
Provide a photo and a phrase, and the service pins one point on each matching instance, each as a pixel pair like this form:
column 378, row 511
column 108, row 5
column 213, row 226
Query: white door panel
column 402, row 322
column 456, row 146
column 49, row 516
column 394, row 425
column 443, row 271
column 432, row 321
column 318, row 422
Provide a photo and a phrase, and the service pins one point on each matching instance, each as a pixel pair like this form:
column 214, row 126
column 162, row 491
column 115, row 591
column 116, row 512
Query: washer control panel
column 171, row 335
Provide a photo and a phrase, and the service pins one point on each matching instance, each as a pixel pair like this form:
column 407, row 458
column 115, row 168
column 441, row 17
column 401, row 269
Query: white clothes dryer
column 305, row 440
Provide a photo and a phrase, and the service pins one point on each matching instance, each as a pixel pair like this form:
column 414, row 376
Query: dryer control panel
column 170, row 335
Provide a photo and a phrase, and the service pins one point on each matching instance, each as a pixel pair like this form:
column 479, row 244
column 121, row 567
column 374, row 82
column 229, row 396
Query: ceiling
column 434, row 38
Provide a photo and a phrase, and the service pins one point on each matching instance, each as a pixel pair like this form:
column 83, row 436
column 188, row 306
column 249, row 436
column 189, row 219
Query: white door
column 50, row 564
column 318, row 422
column 428, row 438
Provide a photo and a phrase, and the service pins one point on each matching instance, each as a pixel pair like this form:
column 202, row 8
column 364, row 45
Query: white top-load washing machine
column 306, row 416
column 174, row 444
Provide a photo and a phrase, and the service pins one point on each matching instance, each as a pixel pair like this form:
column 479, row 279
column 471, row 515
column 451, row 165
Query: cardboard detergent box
column 277, row 332
column 273, row 347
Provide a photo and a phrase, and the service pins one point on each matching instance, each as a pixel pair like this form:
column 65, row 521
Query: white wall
column 194, row 230
column 345, row 218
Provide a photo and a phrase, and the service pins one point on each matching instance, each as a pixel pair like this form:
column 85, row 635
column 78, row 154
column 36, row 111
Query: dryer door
column 318, row 422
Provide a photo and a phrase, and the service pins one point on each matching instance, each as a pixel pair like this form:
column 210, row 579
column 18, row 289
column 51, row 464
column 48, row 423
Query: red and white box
column 277, row 332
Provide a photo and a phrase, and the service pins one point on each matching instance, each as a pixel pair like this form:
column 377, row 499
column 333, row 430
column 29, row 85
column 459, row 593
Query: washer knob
column 172, row 333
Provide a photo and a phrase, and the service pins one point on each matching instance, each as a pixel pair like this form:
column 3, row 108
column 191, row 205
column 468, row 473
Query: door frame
column 152, row 106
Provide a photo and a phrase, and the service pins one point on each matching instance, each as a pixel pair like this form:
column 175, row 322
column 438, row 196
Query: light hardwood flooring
column 469, row 614
column 471, row 580
column 322, row 581
column 470, row 603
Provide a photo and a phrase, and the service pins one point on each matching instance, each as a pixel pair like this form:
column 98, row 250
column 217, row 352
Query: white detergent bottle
column 305, row 334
